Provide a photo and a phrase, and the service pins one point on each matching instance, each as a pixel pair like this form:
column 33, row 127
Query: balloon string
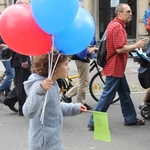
column 43, row 109
column 49, row 68
column 45, row 101
column 55, row 65
column 50, row 74
column 50, row 61
column 52, row 55
column 46, row 96
column 50, row 58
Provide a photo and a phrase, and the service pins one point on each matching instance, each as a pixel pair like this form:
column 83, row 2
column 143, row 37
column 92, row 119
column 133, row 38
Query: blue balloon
column 53, row 16
column 78, row 35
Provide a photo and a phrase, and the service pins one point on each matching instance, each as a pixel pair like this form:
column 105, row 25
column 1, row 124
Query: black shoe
column 138, row 123
column 21, row 113
column 90, row 127
column 65, row 99
column 12, row 108
column 88, row 107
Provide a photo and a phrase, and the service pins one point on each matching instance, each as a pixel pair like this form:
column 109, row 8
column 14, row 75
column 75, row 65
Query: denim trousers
column 6, row 84
column 113, row 85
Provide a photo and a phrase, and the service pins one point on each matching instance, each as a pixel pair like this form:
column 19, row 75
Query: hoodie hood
column 31, row 80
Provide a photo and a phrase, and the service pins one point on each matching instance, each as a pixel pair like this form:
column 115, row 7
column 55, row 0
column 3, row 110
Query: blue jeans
column 6, row 84
column 113, row 85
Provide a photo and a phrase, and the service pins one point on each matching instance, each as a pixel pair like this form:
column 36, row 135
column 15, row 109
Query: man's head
column 123, row 12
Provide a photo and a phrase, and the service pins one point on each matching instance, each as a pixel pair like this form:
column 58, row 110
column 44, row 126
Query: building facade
column 5, row 3
column 103, row 13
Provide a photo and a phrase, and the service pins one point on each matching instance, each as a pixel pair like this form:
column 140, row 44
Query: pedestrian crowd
column 28, row 82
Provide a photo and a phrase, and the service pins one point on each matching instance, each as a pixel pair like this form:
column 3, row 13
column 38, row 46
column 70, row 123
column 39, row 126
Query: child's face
column 62, row 69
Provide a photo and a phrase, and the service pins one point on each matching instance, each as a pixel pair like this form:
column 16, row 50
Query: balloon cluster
column 28, row 29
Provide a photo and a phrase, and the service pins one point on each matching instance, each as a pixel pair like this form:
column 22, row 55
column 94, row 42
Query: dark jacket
column 17, row 59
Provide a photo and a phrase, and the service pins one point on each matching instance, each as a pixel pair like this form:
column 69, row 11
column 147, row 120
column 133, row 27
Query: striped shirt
column 116, row 39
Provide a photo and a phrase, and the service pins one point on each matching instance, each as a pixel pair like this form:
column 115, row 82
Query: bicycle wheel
column 96, row 87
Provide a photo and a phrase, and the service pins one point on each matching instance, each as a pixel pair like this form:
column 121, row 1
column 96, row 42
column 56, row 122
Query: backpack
column 148, row 25
column 101, row 53
column 146, row 16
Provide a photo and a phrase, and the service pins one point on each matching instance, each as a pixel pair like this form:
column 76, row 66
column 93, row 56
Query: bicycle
column 97, row 82
column 95, row 85
column 66, row 83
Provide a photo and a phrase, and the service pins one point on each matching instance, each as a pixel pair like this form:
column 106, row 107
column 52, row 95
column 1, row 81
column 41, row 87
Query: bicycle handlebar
column 93, row 65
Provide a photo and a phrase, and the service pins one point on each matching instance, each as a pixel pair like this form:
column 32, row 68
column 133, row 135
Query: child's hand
column 83, row 108
column 46, row 84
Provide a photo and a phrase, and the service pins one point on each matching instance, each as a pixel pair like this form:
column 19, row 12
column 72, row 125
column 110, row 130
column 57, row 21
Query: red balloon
column 20, row 32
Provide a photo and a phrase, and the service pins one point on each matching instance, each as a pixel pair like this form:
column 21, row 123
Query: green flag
column 101, row 127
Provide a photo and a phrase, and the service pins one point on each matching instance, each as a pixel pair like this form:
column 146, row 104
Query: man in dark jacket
column 21, row 65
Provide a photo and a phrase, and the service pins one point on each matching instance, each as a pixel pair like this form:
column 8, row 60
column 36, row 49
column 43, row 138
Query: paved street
column 14, row 129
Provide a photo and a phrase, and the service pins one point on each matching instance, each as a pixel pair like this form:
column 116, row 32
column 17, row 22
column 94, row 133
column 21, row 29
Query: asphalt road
column 14, row 128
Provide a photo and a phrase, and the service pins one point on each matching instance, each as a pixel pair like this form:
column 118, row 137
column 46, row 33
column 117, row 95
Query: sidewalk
column 131, row 74
column 14, row 128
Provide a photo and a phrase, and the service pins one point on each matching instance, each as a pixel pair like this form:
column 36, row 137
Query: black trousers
column 18, row 93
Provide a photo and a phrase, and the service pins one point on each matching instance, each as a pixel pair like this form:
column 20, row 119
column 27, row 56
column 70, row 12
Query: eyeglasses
column 127, row 11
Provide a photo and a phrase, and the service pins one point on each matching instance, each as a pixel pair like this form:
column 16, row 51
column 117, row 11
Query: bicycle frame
column 68, row 82
column 93, row 65
column 69, row 79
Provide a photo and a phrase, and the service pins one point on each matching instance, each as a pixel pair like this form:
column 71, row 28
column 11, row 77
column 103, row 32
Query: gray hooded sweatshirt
column 46, row 135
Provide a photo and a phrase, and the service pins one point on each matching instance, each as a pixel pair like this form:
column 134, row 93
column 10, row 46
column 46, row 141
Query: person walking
column 22, row 67
column 117, row 54
column 45, row 134
column 9, row 72
column 82, row 61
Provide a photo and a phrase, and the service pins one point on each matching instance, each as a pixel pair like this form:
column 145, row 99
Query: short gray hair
column 119, row 8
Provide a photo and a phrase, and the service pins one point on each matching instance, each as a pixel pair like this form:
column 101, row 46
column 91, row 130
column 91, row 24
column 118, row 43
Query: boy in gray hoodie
column 43, row 106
